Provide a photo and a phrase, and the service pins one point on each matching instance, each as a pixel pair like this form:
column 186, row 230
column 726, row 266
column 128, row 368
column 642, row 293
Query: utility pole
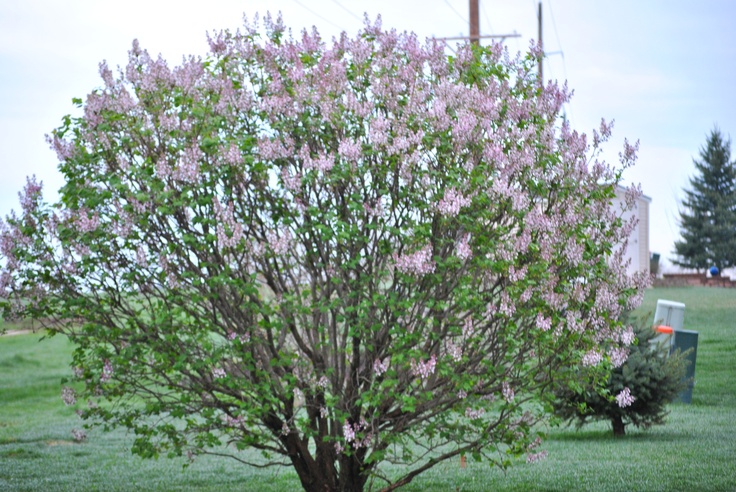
column 541, row 44
column 475, row 35
column 474, row 22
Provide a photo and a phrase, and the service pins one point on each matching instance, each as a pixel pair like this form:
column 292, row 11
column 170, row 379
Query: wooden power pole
column 475, row 35
column 474, row 22
column 541, row 44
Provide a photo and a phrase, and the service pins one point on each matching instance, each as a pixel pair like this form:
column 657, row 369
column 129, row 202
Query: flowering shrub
column 337, row 254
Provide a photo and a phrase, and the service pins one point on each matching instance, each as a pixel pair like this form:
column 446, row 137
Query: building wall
column 644, row 234
column 638, row 248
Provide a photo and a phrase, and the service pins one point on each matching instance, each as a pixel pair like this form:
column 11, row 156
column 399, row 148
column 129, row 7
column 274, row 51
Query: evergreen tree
column 708, row 217
column 643, row 386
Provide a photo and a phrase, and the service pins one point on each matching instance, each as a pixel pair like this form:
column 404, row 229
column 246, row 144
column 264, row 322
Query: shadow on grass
column 606, row 435
column 20, row 453
column 19, row 360
column 37, row 440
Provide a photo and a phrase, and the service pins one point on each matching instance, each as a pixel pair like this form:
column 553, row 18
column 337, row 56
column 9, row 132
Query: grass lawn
column 694, row 451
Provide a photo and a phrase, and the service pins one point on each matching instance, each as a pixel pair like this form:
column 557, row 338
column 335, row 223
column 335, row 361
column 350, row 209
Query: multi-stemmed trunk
column 319, row 473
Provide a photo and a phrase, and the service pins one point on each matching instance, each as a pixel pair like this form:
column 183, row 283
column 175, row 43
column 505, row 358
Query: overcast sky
column 665, row 71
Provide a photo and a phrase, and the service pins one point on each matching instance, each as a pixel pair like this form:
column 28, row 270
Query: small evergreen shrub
column 637, row 391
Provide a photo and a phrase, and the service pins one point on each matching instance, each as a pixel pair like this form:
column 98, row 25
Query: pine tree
column 708, row 217
column 643, row 386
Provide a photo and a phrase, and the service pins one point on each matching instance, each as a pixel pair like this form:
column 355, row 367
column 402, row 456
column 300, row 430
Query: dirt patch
column 60, row 443
column 17, row 332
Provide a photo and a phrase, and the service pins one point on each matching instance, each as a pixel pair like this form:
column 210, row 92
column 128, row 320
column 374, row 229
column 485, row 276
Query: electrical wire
column 456, row 12
column 557, row 36
column 488, row 19
column 560, row 51
column 317, row 15
column 346, row 10
column 554, row 24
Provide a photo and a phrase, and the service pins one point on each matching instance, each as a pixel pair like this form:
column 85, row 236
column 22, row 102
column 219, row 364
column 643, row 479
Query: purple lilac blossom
column 624, row 398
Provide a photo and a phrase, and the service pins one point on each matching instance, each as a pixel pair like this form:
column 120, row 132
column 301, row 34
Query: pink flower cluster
column 624, row 398
column 618, row 356
column 234, row 422
column 507, row 307
column 233, row 156
column 348, row 432
column 323, row 382
column 452, row 202
column 244, row 338
column 543, row 322
column 140, row 256
column 189, row 166
column 468, row 328
column 592, row 358
column 380, row 367
column 462, row 248
column 508, row 392
column 79, row 435
column 628, row 336
column 229, row 230
column 68, row 396
column 107, row 371
column 291, row 182
column 349, row 150
column 64, row 148
column 31, row 193
column 418, row 263
column 87, row 221
column 375, row 210
column 534, row 457
column 280, row 241
column 351, row 432
column 424, row 369
column 454, row 351
column 323, row 162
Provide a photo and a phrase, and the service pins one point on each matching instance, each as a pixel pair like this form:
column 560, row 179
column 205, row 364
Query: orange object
column 664, row 329
column 463, row 461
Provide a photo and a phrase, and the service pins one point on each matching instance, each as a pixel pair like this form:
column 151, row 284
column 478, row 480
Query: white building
column 638, row 248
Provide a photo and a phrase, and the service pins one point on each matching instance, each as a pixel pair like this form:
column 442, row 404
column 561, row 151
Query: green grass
column 694, row 451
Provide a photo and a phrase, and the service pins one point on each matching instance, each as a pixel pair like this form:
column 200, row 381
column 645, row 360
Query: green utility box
column 685, row 340
column 669, row 320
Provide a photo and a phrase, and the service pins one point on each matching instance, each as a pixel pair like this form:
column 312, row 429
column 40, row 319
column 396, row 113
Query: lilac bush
column 338, row 254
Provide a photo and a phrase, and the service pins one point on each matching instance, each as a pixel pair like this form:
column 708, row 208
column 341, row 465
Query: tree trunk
column 619, row 428
column 321, row 475
column 353, row 476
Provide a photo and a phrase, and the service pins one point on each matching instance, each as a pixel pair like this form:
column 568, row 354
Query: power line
column 474, row 26
column 317, row 15
column 465, row 21
column 557, row 36
column 346, row 10
column 554, row 24
column 534, row 5
column 485, row 36
column 488, row 19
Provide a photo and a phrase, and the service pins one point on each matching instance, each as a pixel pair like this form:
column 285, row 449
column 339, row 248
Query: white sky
column 665, row 71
